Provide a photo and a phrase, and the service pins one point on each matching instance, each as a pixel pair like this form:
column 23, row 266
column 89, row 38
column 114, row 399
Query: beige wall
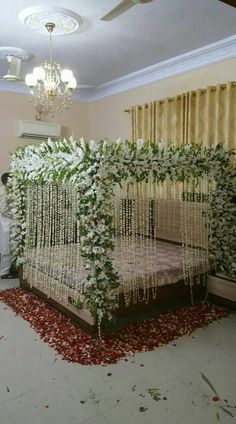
column 107, row 117
column 104, row 118
column 17, row 106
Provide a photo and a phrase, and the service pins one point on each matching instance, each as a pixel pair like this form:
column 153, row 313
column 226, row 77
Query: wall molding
column 207, row 55
column 14, row 87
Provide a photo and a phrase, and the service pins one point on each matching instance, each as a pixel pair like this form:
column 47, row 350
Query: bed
column 158, row 261
column 164, row 210
column 101, row 223
column 150, row 274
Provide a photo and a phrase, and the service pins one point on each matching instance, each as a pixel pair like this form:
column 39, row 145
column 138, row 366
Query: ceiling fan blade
column 229, row 2
column 89, row 86
column 121, row 8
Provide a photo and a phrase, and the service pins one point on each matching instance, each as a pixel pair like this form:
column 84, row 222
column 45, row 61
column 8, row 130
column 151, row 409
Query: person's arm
column 2, row 199
column 4, row 206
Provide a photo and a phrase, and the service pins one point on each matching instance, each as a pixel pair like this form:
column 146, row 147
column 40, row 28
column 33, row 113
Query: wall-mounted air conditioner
column 38, row 130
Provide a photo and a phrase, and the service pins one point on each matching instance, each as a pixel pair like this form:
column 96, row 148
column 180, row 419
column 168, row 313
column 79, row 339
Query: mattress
column 140, row 263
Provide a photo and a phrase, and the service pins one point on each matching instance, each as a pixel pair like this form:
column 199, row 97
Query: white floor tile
column 5, row 417
column 24, row 375
column 99, row 419
column 60, row 403
column 109, row 386
column 146, row 411
column 205, row 410
column 160, row 365
column 8, row 283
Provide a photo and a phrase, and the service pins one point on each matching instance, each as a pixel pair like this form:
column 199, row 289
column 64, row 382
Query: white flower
column 93, row 145
column 140, row 143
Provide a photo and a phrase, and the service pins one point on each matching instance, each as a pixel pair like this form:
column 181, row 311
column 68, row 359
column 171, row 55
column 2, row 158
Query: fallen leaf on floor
column 226, row 411
column 209, row 383
column 142, row 409
column 109, row 374
column 92, row 397
column 8, row 390
column 46, row 406
column 154, row 393
column 133, row 388
column 82, row 401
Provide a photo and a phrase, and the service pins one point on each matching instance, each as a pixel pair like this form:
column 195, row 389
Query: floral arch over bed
column 94, row 167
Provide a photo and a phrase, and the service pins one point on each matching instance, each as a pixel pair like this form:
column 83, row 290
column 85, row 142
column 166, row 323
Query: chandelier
column 49, row 82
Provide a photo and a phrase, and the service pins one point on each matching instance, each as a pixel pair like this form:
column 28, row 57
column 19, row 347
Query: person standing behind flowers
column 5, row 223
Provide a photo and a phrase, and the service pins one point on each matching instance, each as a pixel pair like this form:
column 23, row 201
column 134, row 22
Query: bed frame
column 169, row 297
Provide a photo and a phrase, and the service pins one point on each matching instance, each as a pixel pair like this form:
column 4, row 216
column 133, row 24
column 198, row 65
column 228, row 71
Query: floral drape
column 205, row 116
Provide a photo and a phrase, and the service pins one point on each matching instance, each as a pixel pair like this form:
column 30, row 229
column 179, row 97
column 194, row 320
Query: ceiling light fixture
column 49, row 82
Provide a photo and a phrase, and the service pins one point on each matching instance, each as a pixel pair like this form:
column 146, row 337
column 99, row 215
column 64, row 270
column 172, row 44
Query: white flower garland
column 94, row 167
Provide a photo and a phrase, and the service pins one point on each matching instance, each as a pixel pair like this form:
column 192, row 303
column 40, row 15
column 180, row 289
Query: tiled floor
column 38, row 387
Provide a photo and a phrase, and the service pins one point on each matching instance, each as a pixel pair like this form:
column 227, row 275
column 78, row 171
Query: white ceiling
column 103, row 51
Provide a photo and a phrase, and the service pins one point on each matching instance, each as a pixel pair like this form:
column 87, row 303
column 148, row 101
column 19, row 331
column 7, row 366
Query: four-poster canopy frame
column 94, row 167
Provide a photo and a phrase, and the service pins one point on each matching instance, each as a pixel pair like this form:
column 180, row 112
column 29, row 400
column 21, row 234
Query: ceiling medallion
column 66, row 21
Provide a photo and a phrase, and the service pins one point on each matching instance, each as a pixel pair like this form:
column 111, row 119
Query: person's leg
column 5, row 264
column 5, row 256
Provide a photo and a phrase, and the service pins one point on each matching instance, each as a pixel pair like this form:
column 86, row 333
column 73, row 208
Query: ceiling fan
column 122, row 7
column 14, row 68
column 13, row 73
column 229, row 2
column 13, row 56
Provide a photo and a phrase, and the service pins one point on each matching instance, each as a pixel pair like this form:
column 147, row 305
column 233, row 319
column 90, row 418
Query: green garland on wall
column 95, row 167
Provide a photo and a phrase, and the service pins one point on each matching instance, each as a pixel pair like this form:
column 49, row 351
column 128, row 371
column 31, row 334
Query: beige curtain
column 206, row 117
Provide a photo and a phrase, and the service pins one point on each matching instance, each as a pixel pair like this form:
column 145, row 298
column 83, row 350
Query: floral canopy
column 94, row 168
